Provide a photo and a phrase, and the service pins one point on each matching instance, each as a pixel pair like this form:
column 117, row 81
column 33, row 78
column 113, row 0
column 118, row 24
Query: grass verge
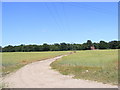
column 97, row 65
column 12, row 61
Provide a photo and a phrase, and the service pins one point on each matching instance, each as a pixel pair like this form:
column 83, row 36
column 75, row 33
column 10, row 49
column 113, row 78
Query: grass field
column 12, row 61
column 97, row 65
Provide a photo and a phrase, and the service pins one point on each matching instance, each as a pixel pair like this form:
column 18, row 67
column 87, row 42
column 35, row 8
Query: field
column 12, row 61
column 97, row 65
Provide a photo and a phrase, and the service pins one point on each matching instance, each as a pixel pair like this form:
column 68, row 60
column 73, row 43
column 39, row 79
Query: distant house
column 92, row 48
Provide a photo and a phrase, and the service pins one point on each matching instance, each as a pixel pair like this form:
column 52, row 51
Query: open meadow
column 12, row 61
column 97, row 65
column 59, row 44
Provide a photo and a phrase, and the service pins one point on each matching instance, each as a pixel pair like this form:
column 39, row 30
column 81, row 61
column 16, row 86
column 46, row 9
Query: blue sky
column 50, row 22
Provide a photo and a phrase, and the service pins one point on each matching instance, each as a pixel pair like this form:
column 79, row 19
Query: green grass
column 97, row 65
column 12, row 61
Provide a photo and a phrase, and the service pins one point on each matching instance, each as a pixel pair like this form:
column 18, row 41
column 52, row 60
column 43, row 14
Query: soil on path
column 40, row 75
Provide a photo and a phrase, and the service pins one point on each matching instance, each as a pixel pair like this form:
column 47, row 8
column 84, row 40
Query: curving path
column 40, row 75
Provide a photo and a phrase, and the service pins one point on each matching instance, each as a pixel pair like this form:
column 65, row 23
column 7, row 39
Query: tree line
column 61, row 46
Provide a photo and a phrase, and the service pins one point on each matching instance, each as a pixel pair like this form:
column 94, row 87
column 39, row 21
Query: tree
column 113, row 44
column 96, row 45
column 84, row 46
column 0, row 49
column 89, row 44
column 55, row 47
column 103, row 45
column 63, row 46
column 46, row 47
column 8, row 48
column 36, row 48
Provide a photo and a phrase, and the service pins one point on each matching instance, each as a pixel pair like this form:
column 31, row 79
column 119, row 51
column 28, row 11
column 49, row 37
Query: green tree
column 84, row 46
column 89, row 44
column 113, row 44
column 0, row 48
column 96, row 45
column 63, row 46
column 103, row 45
column 46, row 47
column 8, row 48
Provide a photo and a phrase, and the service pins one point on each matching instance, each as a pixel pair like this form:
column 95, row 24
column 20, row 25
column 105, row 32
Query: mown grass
column 12, row 61
column 97, row 65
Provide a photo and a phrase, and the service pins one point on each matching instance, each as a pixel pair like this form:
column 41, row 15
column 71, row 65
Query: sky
column 56, row 22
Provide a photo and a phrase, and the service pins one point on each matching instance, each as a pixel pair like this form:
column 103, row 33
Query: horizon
column 59, row 43
column 57, row 22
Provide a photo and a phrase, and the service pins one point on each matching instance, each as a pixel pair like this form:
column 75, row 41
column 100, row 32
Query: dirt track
column 40, row 75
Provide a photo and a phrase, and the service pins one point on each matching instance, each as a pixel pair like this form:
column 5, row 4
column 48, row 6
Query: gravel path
column 40, row 75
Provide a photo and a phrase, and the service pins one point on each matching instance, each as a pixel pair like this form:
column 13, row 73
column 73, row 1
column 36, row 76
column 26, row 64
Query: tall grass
column 97, row 65
column 12, row 61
